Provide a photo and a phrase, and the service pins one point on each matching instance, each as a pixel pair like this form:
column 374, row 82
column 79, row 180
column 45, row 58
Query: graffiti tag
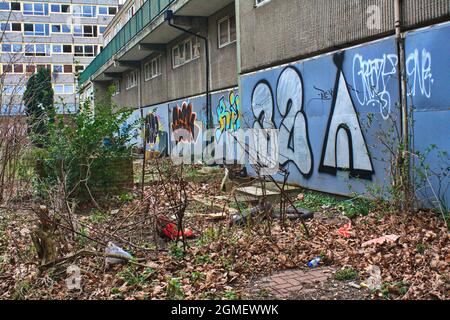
column 228, row 115
column 183, row 123
column 370, row 81
column 418, row 69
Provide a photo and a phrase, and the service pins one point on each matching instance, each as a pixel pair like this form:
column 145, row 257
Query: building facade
column 325, row 74
column 63, row 36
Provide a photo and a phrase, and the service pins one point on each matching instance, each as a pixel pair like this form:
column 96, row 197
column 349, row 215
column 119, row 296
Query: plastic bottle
column 314, row 263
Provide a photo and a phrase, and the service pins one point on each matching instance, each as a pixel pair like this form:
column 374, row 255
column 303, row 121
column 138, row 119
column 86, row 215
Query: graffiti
column 228, row 115
column 418, row 69
column 152, row 126
column 294, row 144
column 183, row 123
column 344, row 145
column 370, row 81
column 294, row 147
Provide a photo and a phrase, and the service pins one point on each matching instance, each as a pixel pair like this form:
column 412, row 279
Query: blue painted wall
column 329, row 110
column 428, row 70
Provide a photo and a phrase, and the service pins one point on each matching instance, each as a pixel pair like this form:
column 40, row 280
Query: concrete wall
column 189, row 79
column 343, row 109
column 283, row 30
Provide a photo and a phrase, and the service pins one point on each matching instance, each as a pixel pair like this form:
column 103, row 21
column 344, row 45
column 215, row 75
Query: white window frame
column 131, row 80
column 229, row 41
column 94, row 33
column 34, row 10
column 65, row 88
column 193, row 43
column 60, row 8
column 117, row 87
column 94, row 53
column 34, row 30
column 47, row 51
column 61, row 28
column 153, row 68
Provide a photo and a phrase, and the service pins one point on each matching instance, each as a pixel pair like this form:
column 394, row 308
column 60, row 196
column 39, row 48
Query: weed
column 98, row 217
column 21, row 290
column 126, row 197
column 421, row 248
column 346, row 274
column 197, row 276
column 176, row 251
column 230, row 295
column 174, row 290
column 134, row 278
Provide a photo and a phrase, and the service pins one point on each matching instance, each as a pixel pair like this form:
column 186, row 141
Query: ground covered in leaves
column 222, row 262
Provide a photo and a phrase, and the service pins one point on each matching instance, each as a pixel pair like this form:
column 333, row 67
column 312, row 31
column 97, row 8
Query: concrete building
column 326, row 74
column 62, row 35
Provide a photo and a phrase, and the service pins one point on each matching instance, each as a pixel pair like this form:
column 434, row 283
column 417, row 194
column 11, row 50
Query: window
column 15, row 6
column 85, row 11
column 5, row 26
column 57, row 68
column 185, row 52
column 35, row 9
column 101, row 29
column 85, row 31
column 57, row 48
column 116, row 87
column 152, row 69
column 13, row 89
column 12, row 68
column 226, row 30
column 30, row 68
column 131, row 80
column 7, row 6
column 63, row 88
column 112, row 10
column 11, row 48
column 38, row 50
column 85, row 51
column 67, row 48
column 68, row 68
column 60, row 8
column 16, row 27
column 107, row 10
column 38, row 29
column 60, row 28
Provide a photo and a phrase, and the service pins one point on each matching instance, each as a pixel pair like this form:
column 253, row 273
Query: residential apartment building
column 325, row 73
column 63, row 36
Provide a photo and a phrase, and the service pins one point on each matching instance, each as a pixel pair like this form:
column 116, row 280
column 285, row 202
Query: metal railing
column 144, row 16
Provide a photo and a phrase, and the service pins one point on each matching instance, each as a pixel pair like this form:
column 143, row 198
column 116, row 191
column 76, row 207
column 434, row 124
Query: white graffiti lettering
column 370, row 81
column 418, row 69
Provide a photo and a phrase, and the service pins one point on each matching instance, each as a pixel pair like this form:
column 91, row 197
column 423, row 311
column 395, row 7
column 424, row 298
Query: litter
column 115, row 250
column 374, row 280
column 389, row 238
column 345, row 230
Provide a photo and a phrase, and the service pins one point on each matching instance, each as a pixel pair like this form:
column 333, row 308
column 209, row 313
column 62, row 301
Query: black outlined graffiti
column 344, row 146
column 152, row 128
column 183, row 123
column 294, row 142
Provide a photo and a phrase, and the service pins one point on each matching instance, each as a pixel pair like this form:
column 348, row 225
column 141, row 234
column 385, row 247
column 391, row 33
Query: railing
column 145, row 15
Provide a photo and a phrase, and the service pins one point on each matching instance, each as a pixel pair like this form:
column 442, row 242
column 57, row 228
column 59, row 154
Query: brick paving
column 283, row 284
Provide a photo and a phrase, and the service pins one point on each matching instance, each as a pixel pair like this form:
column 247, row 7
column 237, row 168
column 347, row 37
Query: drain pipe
column 168, row 16
column 402, row 70
column 403, row 94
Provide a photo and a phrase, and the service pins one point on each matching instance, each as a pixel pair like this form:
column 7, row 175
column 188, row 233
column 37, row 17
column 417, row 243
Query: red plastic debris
column 172, row 233
column 345, row 230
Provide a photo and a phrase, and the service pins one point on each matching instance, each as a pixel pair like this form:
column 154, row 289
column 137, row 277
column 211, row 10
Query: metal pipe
column 403, row 94
column 208, row 113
